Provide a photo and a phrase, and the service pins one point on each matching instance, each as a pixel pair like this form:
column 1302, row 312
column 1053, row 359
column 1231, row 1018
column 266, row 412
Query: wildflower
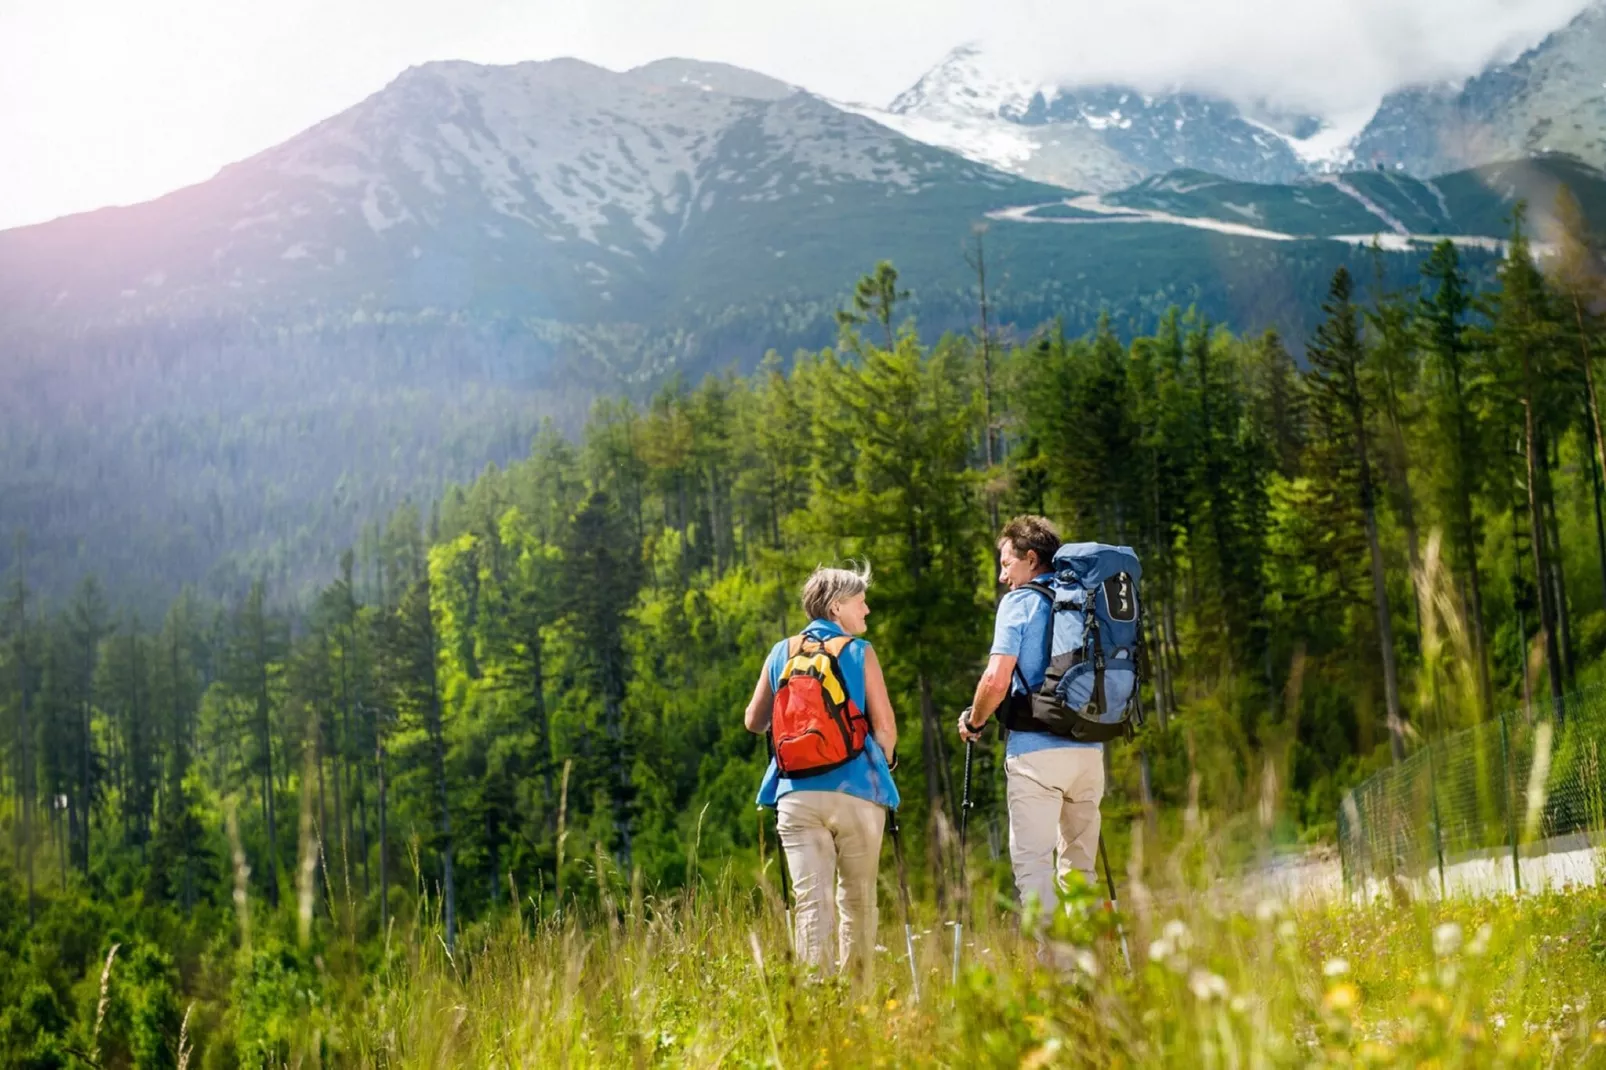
column 891, row 1005
column 1335, row 968
column 1341, row 998
column 1086, row 961
column 1176, row 932
column 1286, row 929
column 1480, row 940
column 1266, row 910
column 1159, row 950
column 1207, row 986
column 1446, row 939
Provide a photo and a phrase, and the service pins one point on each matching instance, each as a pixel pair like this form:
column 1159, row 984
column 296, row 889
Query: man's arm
column 991, row 690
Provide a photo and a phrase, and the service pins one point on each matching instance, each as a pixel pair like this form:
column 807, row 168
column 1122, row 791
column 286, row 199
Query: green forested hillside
column 538, row 683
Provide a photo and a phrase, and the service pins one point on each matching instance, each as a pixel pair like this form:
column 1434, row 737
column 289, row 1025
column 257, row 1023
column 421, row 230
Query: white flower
column 1086, row 962
column 1286, row 929
column 1335, row 968
column 1480, row 940
column 1447, row 939
column 1207, row 986
column 1160, row 950
column 1176, row 932
column 1266, row 910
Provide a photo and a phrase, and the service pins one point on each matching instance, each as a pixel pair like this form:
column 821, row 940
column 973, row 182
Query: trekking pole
column 903, row 894
column 1115, row 904
column 780, row 858
column 786, row 884
column 964, row 883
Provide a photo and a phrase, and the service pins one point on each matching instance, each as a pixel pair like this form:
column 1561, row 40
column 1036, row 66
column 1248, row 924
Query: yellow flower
column 1343, row 998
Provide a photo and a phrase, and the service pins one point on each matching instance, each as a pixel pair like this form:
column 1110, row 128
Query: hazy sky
column 113, row 101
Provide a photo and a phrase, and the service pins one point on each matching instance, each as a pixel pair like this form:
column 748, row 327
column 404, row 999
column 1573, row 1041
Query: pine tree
column 412, row 653
column 86, row 627
column 1392, row 367
column 1578, row 277
column 179, row 858
column 254, row 662
column 601, row 576
column 1523, row 338
column 25, row 774
column 1336, row 358
column 875, row 298
column 1459, row 476
column 901, row 427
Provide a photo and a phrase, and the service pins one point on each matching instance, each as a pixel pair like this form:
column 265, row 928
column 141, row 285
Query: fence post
column 1511, row 816
column 1438, row 837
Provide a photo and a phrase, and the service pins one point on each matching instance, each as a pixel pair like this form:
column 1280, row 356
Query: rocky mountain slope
column 1550, row 99
column 1106, row 137
column 402, row 293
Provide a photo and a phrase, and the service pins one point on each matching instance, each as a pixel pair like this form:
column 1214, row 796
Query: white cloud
column 105, row 101
column 1318, row 55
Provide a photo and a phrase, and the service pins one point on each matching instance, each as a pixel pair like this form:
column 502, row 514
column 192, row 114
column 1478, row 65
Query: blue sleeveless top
column 866, row 776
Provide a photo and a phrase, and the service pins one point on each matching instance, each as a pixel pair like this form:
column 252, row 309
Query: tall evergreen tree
column 900, row 426
column 1452, row 408
column 1523, row 342
column 1337, row 355
column 875, row 299
column 601, row 576
column 1578, row 276
column 412, row 652
column 254, row 663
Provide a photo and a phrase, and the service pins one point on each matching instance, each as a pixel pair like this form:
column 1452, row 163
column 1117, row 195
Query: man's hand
column 967, row 731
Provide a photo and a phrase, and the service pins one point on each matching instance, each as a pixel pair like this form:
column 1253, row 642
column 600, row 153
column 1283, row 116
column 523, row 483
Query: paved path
column 1316, row 878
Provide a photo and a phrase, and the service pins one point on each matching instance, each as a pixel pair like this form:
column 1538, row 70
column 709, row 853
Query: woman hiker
column 822, row 698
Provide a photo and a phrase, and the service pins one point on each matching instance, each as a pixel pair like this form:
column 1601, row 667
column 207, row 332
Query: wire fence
column 1511, row 804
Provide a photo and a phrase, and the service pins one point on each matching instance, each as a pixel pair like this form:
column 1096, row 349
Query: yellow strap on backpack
column 819, row 663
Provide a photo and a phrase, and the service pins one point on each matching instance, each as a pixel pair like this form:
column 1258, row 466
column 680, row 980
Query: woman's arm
column 761, row 706
column 883, row 723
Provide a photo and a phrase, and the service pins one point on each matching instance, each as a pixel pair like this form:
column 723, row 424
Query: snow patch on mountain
column 994, row 142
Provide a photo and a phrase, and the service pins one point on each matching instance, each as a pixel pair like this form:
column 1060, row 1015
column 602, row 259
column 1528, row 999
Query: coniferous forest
column 525, row 698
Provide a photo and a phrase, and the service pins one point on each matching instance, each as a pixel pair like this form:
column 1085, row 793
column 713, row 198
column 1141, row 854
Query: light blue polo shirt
column 1021, row 631
column 866, row 776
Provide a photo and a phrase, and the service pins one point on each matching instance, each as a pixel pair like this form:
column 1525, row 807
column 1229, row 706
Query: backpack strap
column 1048, row 633
column 835, row 645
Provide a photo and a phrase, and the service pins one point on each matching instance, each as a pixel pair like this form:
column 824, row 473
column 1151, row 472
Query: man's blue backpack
column 1090, row 692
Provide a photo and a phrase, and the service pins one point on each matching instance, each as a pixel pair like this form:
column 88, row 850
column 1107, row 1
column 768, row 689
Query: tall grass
column 706, row 980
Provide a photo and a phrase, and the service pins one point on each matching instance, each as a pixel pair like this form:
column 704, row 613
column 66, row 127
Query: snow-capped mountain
column 1552, row 98
column 1101, row 137
column 1105, row 137
column 545, row 189
column 397, row 295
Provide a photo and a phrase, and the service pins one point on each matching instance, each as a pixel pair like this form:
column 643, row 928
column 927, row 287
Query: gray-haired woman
column 830, row 783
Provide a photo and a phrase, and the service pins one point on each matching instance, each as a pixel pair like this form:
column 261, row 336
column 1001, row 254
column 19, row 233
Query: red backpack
column 815, row 724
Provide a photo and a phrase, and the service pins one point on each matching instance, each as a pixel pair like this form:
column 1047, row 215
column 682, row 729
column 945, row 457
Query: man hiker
column 1054, row 783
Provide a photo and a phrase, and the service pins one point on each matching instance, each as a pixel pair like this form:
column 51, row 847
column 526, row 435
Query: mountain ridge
column 1102, row 137
column 399, row 295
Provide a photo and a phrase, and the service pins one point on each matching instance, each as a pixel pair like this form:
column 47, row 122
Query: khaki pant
column 832, row 842
column 1053, row 807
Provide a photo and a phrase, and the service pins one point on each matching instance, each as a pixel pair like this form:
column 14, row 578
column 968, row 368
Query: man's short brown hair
column 1032, row 533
